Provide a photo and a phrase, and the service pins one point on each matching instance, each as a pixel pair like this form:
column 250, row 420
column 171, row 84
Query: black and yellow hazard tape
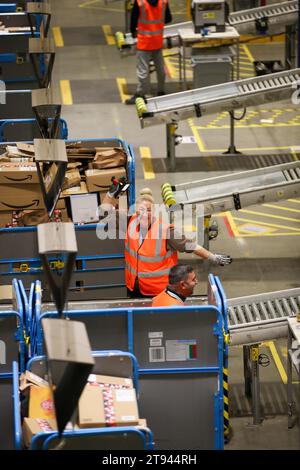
column 226, row 404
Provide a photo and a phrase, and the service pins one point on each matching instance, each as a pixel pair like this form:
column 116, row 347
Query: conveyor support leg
column 171, row 144
column 254, row 353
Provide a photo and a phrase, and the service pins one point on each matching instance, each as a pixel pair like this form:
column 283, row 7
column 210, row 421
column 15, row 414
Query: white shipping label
column 188, row 139
column 155, row 342
column 155, row 334
column 157, row 354
column 92, row 378
column 181, row 350
column 128, row 418
column 125, row 395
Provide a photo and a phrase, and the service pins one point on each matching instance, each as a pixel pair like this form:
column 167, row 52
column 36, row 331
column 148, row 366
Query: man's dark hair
column 178, row 273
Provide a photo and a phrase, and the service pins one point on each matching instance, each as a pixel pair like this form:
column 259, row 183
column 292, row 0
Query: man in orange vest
column 148, row 18
column 182, row 281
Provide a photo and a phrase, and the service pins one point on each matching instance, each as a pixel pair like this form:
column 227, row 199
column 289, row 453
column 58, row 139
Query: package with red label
column 41, row 403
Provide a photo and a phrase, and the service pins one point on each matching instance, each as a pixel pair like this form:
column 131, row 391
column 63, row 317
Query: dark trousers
column 136, row 293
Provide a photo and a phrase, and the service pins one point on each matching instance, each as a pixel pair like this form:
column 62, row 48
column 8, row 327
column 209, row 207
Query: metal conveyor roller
column 238, row 190
column 261, row 317
column 219, row 98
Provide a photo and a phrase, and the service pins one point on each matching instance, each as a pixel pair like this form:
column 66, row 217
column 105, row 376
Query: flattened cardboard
column 82, row 189
column 32, row 426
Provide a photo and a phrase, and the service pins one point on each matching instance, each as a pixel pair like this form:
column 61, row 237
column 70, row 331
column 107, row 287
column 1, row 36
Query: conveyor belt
column 261, row 317
column 238, row 190
column 121, row 303
column 218, row 98
column 277, row 16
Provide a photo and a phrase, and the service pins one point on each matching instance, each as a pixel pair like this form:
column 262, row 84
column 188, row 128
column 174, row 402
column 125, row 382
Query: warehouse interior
column 94, row 78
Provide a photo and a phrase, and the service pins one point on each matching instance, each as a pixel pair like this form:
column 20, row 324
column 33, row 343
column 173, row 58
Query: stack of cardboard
column 19, row 184
column 41, row 414
column 90, row 170
column 105, row 401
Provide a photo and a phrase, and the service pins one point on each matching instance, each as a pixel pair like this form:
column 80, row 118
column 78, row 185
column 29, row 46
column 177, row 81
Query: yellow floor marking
column 66, row 93
column 294, row 154
column 232, row 224
column 277, row 360
column 108, row 35
column 248, row 149
column 288, row 227
column 253, row 126
column 273, row 216
column 294, row 200
column 199, row 141
column 58, row 37
column 248, row 53
column 122, row 87
column 283, row 208
column 147, row 163
column 88, row 3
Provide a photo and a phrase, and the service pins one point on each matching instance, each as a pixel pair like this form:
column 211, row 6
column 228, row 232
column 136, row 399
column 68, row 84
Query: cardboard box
column 41, row 403
column 125, row 407
column 18, row 173
column 32, row 426
column 28, row 378
column 110, row 381
column 6, row 292
column 20, row 196
column 82, row 189
column 91, row 408
column 99, row 406
column 100, row 180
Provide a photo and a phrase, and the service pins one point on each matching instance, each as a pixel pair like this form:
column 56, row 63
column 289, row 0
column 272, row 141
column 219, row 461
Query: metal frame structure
column 13, row 335
column 265, row 20
column 135, row 319
column 100, row 265
column 240, row 94
column 108, row 363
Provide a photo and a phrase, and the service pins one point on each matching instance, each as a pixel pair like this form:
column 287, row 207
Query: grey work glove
column 219, row 260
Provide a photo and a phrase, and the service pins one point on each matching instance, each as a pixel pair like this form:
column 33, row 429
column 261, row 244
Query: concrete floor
column 266, row 240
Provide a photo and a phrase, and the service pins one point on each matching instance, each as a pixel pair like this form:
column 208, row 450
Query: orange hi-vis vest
column 150, row 261
column 165, row 299
column 150, row 27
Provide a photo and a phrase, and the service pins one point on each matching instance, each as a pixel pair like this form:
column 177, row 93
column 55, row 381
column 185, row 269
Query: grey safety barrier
column 118, row 363
column 180, row 354
column 12, row 348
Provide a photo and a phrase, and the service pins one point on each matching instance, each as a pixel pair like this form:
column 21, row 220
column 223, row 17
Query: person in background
column 182, row 281
column 148, row 18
